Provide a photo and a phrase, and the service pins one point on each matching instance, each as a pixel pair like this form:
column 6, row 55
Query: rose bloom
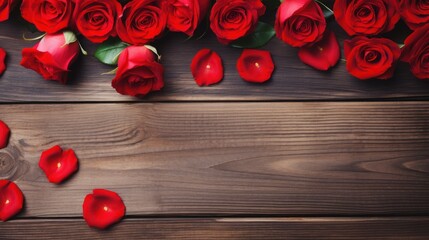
column 142, row 21
column 415, row 13
column 234, row 19
column 5, row 8
column 96, row 19
column 138, row 72
column 300, row 23
column 416, row 52
column 371, row 57
column 52, row 56
column 185, row 15
column 48, row 16
column 363, row 17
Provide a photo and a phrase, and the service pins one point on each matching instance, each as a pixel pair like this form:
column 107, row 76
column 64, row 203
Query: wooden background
column 308, row 155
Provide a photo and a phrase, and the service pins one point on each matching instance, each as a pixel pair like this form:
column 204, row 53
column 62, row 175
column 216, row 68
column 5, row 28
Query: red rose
column 185, row 15
column 142, row 21
column 5, row 8
column 2, row 61
column 207, row 67
column 415, row 13
column 57, row 164
column 52, row 56
column 102, row 208
column 300, row 22
column 11, row 200
column 138, row 72
column 234, row 19
column 48, row 16
column 96, row 19
column 363, row 17
column 371, row 57
column 255, row 65
column 416, row 52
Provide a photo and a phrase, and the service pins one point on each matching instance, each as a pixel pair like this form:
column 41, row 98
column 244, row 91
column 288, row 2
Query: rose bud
column 5, row 8
column 185, row 15
column 142, row 21
column 48, row 16
column 4, row 134
column 416, row 52
column 57, row 164
column 299, row 23
column 206, row 67
column 11, row 200
column 138, row 72
column 234, row 19
column 103, row 208
column 414, row 13
column 362, row 17
column 255, row 65
column 371, row 57
column 2, row 61
column 322, row 55
column 95, row 19
column 52, row 56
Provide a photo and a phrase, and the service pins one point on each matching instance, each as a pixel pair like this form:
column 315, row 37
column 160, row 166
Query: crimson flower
column 103, row 208
column 2, row 61
column 255, row 65
column 58, row 164
column 11, row 200
column 4, row 134
column 206, row 67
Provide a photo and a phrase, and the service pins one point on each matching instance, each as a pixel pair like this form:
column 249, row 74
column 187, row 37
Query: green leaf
column 109, row 51
column 261, row 36
column 327, row 12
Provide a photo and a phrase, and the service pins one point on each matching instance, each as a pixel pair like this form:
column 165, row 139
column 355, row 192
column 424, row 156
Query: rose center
column 234, row 16
column 135, row 81
column 371, row 56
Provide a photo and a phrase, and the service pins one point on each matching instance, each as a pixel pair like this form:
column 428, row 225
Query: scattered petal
column 2, row 61
column 255, row 65
column 207, row 68
column 4, row 134
column 11, row 200
column 57, row 164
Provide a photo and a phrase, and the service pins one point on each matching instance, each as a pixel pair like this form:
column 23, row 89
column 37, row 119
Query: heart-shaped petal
column 255, row 65
column 4, row 134
column 206, row 67
column 103, row 208
column 2, row 61
column 11, row 200
column 57, row 164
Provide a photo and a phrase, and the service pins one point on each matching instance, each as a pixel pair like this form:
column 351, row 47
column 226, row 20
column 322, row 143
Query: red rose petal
column 103, row 208
column 58, row 164
column 207, row 68
column 11, row 200
column 4, row 134
column 255, row 65
column 323, row 54
column 2, row 61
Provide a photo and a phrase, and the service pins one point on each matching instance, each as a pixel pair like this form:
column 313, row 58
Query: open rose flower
column 48, row 16
column 415, row 13
column 207, row 67
column 142, row 21
column 185, row 15
column 96, row 19
column 416, row 52
column 57, row 164
column 255, row 65
column 5, row 8
column 234, row 19
column 4, row 134
column 11, row 200
column 103, row 208
column 52, row 56
column 300, row 22
column 362, row 17
column 2, row 61
column 139, row 72
column 322, row 55
column 371, row 57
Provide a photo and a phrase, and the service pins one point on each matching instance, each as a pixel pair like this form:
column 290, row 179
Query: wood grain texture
column 226, row 228
column 203, row 159
column 292, row 79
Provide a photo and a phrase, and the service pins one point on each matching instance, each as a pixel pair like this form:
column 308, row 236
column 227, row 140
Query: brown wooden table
column 308, row 155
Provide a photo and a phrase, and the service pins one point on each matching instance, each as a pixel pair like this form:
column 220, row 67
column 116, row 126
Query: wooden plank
column 292, row 79
column 227, row 159
column 227, row 228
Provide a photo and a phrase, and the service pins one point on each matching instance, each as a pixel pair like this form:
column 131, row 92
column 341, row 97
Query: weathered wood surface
column 225, row 228
column 172, row 159
column 292, row 79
